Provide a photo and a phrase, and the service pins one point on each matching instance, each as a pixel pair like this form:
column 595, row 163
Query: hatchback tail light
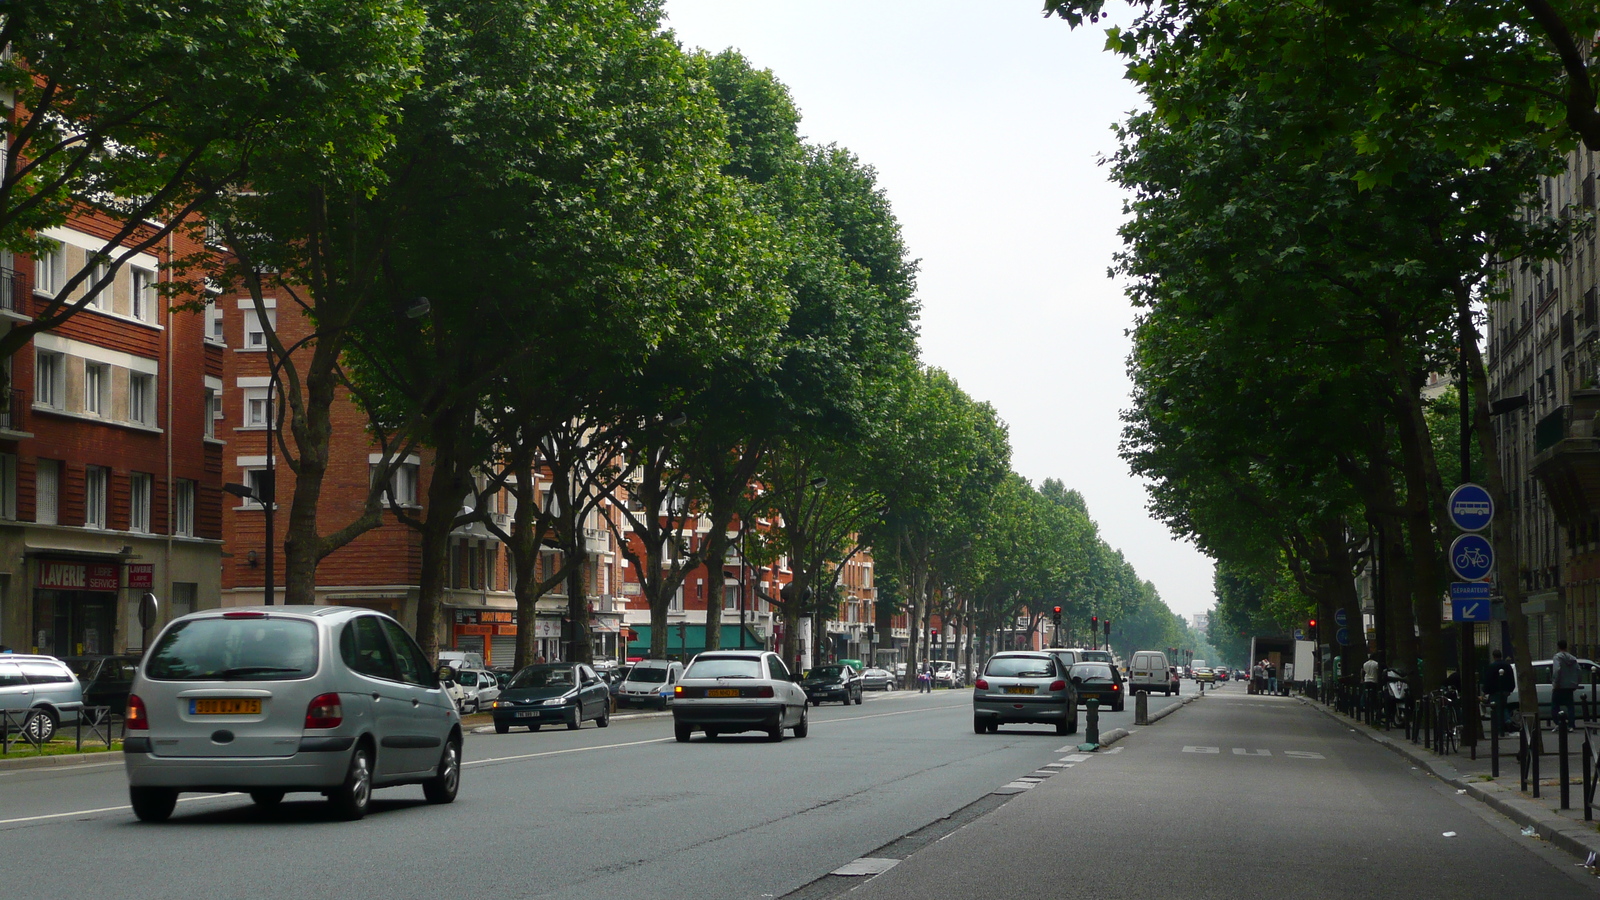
column 981, row 684
column 136, row 718
column 765, row 691
column 1060, row 684
column 325, row 711
column 1116, row 687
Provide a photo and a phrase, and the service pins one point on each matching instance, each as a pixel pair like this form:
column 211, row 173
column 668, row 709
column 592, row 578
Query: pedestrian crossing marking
column 1240, row 751
column 1303, row 754
column 1077, row 758
column 1202, row 749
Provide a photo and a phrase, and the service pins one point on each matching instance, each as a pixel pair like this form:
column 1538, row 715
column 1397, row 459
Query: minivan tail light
column 1060, row 684
column 325, row 711
column 981, row 684
column 136, row 718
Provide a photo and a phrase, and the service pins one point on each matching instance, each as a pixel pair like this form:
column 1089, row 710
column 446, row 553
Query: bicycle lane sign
column 1471, row 557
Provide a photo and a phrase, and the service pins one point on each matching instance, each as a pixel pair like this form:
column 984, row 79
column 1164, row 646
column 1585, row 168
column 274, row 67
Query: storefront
column 75, row 606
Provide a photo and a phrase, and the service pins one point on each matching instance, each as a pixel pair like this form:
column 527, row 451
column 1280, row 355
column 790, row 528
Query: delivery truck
column 1294, row 661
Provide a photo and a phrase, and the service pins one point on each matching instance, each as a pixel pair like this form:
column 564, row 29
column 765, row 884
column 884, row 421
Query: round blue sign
column 1343, row 637
column 1471, row 557
column 1340, row 619
column 1470, row 508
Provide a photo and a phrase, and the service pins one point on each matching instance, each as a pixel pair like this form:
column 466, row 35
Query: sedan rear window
column 1020, row 667
column 220, row 649
column 1092, row 672
column 725, row 667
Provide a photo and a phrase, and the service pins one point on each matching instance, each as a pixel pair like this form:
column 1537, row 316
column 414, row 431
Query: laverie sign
column 58, row 575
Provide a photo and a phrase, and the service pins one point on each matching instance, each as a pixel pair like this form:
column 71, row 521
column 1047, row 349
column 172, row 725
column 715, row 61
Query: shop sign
column 141, row 575
column 56, row 575
column 475, row 629
column 505, row 630
column 547, row 628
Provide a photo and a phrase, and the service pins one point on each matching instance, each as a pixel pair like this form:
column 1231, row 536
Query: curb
column 1580, row 839
column 101, row 757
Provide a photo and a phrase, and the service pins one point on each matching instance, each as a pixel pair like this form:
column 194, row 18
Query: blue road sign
column 1469, row 610
column 1471, row 508
column 1340, row 619
column 1471, row 557
column 1343, row 637
column 1469, row 590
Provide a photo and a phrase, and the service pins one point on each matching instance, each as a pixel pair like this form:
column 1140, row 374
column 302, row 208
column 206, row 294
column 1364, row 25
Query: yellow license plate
column 230, row 706
column 723, row 692
column 1019, row 690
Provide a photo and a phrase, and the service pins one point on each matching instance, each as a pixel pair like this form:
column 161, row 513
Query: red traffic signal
column 1312, row 623
column 1058, row 610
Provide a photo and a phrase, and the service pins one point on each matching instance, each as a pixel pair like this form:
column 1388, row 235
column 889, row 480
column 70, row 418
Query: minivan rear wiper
column 237, row 671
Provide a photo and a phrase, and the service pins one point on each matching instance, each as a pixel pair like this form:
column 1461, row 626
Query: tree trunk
column 444, row 498
column 312, row 427
column 580, row 646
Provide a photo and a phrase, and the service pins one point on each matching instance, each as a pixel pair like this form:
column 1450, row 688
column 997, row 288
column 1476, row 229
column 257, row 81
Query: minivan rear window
column 221, row 649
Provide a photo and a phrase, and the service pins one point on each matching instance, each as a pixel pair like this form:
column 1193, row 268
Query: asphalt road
column 619, row 812
column 1235, row 797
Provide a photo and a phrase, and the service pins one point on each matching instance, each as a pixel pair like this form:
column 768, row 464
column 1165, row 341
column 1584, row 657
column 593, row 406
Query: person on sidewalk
column 1258, row 678
column 927, row 677
column 1369, row 682
column 1272, row 678
column 1498, row 682
column 1563, row 684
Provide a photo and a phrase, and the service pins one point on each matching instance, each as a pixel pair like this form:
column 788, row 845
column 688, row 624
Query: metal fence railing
column 35, row 730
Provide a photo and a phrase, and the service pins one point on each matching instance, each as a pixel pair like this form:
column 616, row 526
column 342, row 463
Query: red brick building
column 109, row 487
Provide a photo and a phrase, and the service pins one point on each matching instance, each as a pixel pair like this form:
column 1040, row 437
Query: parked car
column 1099, row 679
column 1544, row 688
column 651, row 682
column 106, row 680
column 472, row 688
column 43, row 686
column 875, row 679
column 556, row 693
column 276, row 699
column 832, row 682
column 729, row 691
column 1024, row 686
column 1149, row 672
column 944, row 672
column 613, row 680
column 460, row 658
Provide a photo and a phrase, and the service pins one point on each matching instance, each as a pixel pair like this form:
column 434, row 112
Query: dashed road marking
column 1240, row 751
column 1303, row 754
column 1202, row 749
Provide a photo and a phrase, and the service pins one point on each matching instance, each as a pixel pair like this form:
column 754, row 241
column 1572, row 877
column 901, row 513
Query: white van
column 650, row 682
column 1148, row 672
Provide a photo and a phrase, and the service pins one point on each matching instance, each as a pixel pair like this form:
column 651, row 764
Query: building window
column 140, row 487
column 95, row 482
column 144, row 292
column 8, row 485
column 260, row 483
column 730, row 597
column 48, row 377
column 213, row 324
column 257, row 412
column 96, row 382
column 183, row 508
column 402, row 484
column 141, row 398
column 49, row 269
column 255, row 334
column 47, row 491
column 212, row 411
column 99, row 286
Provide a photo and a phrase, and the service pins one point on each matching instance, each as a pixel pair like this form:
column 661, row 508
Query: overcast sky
column 986, row 123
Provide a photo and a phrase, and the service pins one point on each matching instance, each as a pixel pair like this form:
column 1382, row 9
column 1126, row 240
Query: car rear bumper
column 751, row 715
column 1022, row 709
column 304, row 771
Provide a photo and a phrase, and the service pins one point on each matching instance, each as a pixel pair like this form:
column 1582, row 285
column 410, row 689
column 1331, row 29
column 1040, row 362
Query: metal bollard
column 1561, row 747
column 1091, row 732
column 1497, row 713
column 1141, row 708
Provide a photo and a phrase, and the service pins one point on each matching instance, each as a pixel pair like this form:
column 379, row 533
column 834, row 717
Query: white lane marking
column 866, row 865
column 1020, row 785
column 1303, row 754
column 103, row 809
column 58, row 769
column 479, row 762
column 1115, row 749
column 1202, row 749
column 1240, row 751
column 1077, row 758
column 1056, row 765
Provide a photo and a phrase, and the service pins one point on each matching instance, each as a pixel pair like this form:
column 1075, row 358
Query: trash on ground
column 1530, row 831
column 1462, row 791
column 1449, row 834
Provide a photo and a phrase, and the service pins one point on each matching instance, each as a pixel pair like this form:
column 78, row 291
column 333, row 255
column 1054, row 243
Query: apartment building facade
column 109, row 489
column 1542, row 346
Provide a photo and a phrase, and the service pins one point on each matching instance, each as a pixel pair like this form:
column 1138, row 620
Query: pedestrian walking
column 1498, row 682
column 926, row 678
column 1369, row 682
column 1563, row 685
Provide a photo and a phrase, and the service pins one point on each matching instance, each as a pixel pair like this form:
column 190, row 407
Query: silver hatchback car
column 1024, row 686
column 274, row 699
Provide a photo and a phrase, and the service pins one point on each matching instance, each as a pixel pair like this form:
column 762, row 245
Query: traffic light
column 1055, row 616
column 1311, row 629
column 1094, row 631
column 1108, row 631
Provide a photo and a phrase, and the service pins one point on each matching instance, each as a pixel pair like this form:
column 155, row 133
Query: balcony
column 13, row 296
column 597, row 540
column 14, row 420
column 1567, row 459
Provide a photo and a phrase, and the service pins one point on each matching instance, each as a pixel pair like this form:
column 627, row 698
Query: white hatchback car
column 274, row 699
column 728, row 691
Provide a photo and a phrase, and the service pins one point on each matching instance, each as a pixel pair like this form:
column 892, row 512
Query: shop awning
column 691, row 640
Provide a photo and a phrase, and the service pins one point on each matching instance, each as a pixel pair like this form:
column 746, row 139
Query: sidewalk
column 1564, row 829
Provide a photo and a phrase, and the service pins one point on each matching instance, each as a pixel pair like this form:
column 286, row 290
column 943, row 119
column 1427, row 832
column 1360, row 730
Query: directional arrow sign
column 1471, row 508
column 1471, row 557
column 1469, row 610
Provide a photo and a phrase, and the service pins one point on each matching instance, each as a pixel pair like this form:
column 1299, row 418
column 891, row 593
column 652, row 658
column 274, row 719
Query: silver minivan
column 274, row 699
column 651, row 682
column 1148, row 672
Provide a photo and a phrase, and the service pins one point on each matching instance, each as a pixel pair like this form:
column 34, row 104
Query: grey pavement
column 623, row 811
column 1234, row 796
